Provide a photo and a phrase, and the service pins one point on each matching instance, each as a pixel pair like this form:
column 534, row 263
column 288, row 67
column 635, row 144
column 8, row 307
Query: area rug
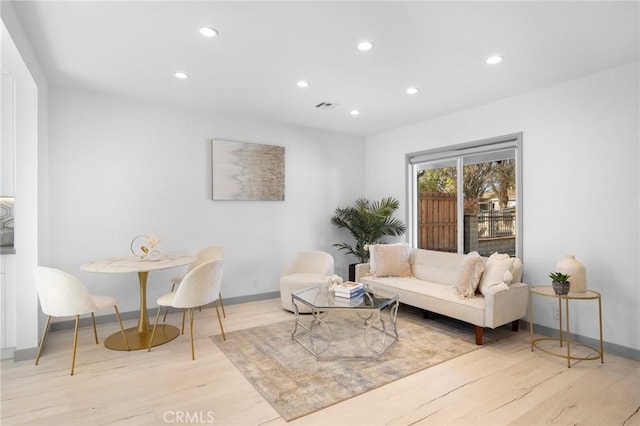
column 296, row 384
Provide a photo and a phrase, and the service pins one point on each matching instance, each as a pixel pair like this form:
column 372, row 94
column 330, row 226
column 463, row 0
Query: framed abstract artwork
column 247, row 171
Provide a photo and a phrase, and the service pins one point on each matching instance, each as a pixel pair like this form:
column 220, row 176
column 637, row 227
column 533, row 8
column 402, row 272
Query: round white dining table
column 138, row 337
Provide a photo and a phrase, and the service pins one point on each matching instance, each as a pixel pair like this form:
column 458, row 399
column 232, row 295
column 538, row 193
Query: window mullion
column 460, row 204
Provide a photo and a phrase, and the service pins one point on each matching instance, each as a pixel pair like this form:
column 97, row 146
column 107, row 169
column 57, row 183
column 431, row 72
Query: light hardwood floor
column 500, row 384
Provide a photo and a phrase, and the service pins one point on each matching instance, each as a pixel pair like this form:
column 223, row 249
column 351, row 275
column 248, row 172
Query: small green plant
column 559, row 277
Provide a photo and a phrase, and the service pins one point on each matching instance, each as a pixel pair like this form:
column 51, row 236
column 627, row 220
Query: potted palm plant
column 367, row 221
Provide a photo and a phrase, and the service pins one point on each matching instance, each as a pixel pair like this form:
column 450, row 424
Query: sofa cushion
column 436, row 266
column 431, row 296
column 469, row 274
column 390, row 260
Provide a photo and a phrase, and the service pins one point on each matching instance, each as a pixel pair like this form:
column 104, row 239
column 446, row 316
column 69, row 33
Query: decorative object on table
column 145, row 247
column 332, row 281
column 571, row 266
column 247, row 171
column 560, row 283
column 349, row 302
column 367, row 222
column 348, row 290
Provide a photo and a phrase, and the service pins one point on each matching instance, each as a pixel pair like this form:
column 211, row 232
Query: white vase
column 578, row 274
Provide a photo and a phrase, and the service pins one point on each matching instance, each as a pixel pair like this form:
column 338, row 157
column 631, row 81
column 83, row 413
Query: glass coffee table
column 314, row 333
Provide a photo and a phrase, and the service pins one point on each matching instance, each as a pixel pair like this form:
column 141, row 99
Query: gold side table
column 547, row 291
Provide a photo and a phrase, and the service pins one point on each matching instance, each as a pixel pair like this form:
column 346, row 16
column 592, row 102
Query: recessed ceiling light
column 208, row 32
column 303, row 83
column 412, row 90
column 365, row 45
column 492, row 60
column 354, row 112
column 181, row 75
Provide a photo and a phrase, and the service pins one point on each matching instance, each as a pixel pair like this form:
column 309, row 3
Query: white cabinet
column 7, row 145
column 3, row 309
column 8, row 305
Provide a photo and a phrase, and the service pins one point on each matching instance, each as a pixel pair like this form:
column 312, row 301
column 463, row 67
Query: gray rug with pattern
column 296, row 384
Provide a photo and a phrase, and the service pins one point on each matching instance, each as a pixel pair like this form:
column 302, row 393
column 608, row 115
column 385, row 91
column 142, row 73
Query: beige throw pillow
column 390, row 260
column 516, row 267
column 496, row 271
column 372, row 254
column 499, row 256
column 516, row 270
column 372, row 258
column 469, row 274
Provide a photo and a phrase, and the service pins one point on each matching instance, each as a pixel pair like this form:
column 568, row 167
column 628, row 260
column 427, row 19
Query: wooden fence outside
column 437, row 222
column 437, row 227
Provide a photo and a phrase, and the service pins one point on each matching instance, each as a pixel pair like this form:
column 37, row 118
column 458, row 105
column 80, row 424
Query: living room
column 99, row 168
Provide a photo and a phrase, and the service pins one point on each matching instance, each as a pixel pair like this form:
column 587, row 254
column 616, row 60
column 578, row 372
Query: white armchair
column 307, row 269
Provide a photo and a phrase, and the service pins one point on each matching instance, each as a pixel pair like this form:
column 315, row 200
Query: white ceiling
column 264, row 48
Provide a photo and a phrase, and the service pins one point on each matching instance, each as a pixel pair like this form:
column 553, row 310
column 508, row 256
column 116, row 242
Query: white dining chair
column 199, row 287
column 203, row 255
column 63, row 295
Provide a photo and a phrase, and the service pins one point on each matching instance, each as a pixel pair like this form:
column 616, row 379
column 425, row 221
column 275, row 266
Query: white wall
column 581, row 190
column 119, row 168
column 31, row 131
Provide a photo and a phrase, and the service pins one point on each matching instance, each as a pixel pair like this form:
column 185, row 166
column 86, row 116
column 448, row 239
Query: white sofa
column 431, row 286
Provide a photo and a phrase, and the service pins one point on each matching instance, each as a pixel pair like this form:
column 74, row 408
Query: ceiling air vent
column 327, row 105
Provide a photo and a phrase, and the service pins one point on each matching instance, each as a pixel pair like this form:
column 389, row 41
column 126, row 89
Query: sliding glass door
column 467, row 198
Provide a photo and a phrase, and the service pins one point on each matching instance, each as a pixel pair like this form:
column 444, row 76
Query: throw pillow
column 496, row 271
column 390, row 260
column 372, row 258
column 469, row 274
column 514, row 271
column 498, row 288
column 499, row 256
column 372, row 254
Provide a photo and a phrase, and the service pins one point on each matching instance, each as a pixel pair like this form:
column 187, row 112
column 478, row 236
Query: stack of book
column 343, row 302
column 349, row 290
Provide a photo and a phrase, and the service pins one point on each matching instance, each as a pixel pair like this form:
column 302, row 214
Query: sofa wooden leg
column 515, row 325
column 479, row 331
column 425, row 314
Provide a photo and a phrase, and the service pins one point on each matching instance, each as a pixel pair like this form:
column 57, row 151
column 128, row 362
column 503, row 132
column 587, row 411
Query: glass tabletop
column 321, row 297
column 548, row 291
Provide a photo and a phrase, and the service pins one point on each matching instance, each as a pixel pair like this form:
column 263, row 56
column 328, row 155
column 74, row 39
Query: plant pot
column 561, row 289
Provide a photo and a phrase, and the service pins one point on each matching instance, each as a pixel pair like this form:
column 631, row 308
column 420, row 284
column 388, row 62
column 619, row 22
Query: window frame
column 458, row 152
